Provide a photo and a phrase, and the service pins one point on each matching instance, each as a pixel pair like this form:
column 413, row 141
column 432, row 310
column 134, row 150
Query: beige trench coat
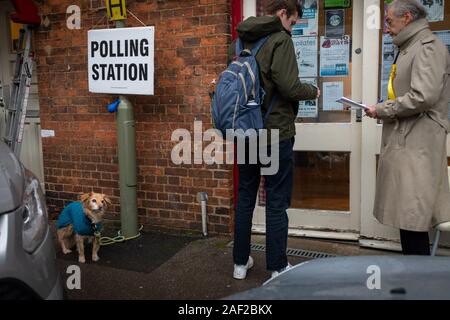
column 412, row 190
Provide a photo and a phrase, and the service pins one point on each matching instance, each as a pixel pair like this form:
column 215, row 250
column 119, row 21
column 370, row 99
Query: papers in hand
column 352, row 103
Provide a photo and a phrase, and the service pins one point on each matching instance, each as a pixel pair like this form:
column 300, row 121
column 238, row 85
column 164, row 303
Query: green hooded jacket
column 278, row 71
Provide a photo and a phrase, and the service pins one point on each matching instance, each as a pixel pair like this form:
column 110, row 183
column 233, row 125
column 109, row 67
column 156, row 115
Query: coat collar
column 410, row 33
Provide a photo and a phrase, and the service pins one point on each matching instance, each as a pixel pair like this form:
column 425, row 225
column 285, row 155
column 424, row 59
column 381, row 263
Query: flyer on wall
column 444, row 35
column 435, row 9
column 387, row 59
column 308, row 108
column 332, row 91
column 306, row 54
column 334, row 56
column 308, row 24
column 335, row 23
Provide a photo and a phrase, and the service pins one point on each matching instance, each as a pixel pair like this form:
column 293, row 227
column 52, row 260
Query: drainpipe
column 126, row 136
column 203, row 198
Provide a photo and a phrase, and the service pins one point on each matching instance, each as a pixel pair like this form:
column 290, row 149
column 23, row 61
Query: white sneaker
column 277, row 273
column 240, row 271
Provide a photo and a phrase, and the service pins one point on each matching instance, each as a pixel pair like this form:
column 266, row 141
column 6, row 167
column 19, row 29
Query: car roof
column 11, row 180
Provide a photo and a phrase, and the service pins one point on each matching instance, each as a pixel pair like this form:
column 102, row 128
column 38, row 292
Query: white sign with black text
column 121, row 60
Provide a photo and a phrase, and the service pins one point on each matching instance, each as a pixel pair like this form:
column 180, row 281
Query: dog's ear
column 107, row 200
column 84, row 197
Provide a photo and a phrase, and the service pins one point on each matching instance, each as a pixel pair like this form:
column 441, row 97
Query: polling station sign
column 121, row 61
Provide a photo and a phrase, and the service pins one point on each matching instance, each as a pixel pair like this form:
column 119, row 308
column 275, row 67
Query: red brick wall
column 191, row 42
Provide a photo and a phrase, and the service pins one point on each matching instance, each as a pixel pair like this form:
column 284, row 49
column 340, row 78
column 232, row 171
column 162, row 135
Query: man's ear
column 409, row 18
column 84, row 197
column 281, row 12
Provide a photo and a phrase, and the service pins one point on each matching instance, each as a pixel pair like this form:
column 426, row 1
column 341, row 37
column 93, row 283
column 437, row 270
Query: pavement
column 166, row 266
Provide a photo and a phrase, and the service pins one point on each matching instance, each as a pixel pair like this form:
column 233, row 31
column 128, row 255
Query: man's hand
column 371, row 112
column 318, row 93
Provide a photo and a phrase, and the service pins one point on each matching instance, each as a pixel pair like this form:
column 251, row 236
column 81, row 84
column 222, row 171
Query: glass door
column 327, row 184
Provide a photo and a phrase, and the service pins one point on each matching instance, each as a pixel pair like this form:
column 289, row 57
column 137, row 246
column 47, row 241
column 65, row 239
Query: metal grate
column 293, row 252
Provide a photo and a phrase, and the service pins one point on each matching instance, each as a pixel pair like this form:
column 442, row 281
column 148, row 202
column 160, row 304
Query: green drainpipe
column 126, row 135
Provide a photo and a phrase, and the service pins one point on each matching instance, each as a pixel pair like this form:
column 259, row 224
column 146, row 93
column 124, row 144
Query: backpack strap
column 258, row 45
column 254, row 50
column 239, row 47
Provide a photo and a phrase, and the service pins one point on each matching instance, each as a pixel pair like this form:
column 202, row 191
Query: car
column 392, row 277
column 28, row 267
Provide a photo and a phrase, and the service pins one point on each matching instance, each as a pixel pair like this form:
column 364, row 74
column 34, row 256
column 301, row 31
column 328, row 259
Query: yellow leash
column 105, row 241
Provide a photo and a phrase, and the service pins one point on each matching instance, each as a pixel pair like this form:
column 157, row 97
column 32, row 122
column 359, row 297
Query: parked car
column 27, row 248
column 359, row 278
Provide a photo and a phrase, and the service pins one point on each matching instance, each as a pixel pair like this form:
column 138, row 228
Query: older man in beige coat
column 412, row 191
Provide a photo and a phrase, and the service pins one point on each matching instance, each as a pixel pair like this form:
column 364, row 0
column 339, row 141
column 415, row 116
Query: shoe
column 240, row 271
column 278, row 272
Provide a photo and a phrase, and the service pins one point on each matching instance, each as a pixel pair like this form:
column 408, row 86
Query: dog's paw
column 95, row 258
column 82, row 260
column 67, row 251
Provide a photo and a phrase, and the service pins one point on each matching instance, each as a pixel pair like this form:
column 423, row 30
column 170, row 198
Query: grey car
column 385, row 277
column 27, row 248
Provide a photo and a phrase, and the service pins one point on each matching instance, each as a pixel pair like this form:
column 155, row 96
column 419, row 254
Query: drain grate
column 293, row 252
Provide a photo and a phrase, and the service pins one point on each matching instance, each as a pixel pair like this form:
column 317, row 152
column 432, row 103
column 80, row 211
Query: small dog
column 79, row 221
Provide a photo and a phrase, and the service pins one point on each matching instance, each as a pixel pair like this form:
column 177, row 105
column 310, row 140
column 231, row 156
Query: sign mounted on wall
column 337, row 4
column 121, row 60
column 116, row 10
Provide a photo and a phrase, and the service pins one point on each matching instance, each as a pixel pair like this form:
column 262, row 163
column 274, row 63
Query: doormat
column 143, row 254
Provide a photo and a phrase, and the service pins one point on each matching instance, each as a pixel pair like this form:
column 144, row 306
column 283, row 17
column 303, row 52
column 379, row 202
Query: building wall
column 191, row 43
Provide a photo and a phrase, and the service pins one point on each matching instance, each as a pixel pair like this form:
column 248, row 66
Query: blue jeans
column 278, row 199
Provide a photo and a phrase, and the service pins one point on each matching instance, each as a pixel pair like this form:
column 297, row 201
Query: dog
column 79, row 221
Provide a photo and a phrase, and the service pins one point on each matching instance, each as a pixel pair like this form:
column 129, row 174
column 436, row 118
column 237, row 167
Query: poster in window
column 308, row 108
column 334, row 27
column 308, row 24
column 331, row 92
column 334, row 56
column 387, row 59
column 444, row 35
column 435, row 9
column 337, row 3
column 306, row 54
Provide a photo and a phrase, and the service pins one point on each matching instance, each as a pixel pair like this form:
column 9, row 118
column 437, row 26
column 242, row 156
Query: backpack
column 236, row 102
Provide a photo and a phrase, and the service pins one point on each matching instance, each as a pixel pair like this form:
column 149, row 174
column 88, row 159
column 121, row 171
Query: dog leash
column 105, row 241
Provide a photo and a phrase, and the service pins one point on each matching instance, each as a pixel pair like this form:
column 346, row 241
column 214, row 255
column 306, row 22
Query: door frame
column 373, row 233
column 344, row 137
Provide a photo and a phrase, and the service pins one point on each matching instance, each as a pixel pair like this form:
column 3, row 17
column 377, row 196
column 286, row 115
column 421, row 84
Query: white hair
column 400, row 7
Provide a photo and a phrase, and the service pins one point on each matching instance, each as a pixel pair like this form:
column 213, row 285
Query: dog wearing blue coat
column 79, row 221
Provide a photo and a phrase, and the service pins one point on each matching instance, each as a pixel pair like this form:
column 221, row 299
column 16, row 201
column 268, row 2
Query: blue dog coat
column 73, row 214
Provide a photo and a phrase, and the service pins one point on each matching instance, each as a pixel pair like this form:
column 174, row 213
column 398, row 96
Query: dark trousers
column 278, row 199
column 415, row 243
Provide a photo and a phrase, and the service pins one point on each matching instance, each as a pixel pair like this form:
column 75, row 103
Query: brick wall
column 191, row 42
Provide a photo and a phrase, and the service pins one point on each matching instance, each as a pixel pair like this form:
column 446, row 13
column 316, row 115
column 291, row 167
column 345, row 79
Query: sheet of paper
column 306, row 53
column 351, row 103
column 308, row 108
column 332, row 91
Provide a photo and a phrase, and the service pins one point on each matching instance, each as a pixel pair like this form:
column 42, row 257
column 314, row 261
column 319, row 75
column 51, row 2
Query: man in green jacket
column 280, row 78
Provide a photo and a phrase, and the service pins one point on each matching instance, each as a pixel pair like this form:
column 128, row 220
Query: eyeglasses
column 389, row 21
